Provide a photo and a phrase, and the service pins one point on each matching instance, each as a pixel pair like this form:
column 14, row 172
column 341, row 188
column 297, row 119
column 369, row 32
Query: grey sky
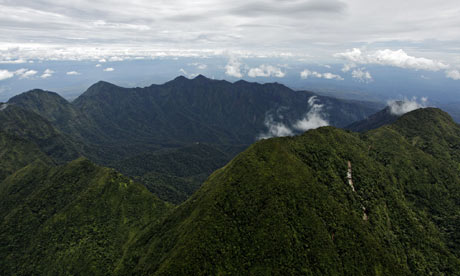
column 317, row 28
column 260, row 40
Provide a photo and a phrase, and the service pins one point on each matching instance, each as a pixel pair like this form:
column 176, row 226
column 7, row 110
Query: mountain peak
column 426, row 116
column 102, row 83
column 180, row 78
column 37, row 96
column 98, row 87
column 201, row 77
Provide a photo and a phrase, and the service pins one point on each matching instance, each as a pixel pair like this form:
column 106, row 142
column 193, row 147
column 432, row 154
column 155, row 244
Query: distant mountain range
column 113, row 126
column 183, row 111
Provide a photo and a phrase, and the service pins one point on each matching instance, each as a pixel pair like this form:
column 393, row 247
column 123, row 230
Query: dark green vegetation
column 74, row 219
column 181, row 111
column 122, row 127
column 174, row 174
column 23, row 125
column 284, row 206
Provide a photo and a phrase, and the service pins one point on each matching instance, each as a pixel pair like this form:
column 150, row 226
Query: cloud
column 109, row 69
column 98, row 65
column 453, row 74
column 289, row 8
column 198, row 65
column 305, row 74
column 16, row 61
column 406, row 105
column 5, row 74
column 361, row 75
column 116, row 58
column 233, row 68
column 24, row 73
column 387, row 57
column 314, row 118
column 266, row 71
column 73, row 73
column 188, row 75
column 275, row 129
column 348, row 67
column 47, row 73
column 84, row 29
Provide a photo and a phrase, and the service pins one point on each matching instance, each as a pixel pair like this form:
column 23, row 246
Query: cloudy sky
column 275, row 39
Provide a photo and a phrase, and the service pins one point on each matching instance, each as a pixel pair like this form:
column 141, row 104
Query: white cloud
column 348, row 67
column 188, row 75
column 109, row 69
column 361, row 75
column 305, row 74
column 102, row 60
column 16, row 61
column 198, row 65
column 275, row 129
column 453, row 74
column 233, row 68
column 116, row 58
column 259, row 25
column 24, row 73
column 73, row 73
column 406, row 105
column 398, row 58
column 98, row 65
column 47, row 73
column 5, row 74
column 330, row 76
column 266, row 71
column 314, row 118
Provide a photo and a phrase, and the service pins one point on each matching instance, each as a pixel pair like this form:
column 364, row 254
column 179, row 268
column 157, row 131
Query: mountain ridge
column 284, row 206
column 113, row 123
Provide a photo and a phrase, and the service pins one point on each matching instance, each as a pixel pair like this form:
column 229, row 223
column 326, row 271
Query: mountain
column 202, row 110
column 182, row 111
column 381, row 118
column 117, row 126
column 16, row 153
column 24, row 125
column 328, row 202
column 60, row 113
column 74, row 219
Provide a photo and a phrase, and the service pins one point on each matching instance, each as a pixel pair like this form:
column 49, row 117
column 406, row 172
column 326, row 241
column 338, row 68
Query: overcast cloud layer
column 139, row 28
column 305, row 44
